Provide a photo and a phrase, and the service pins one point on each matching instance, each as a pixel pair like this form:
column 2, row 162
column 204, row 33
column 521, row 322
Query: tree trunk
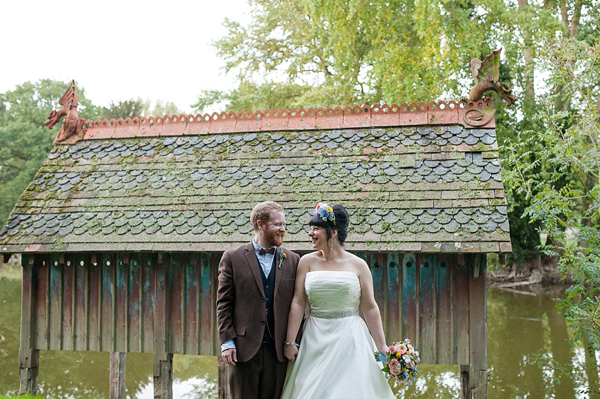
column 529, row 63
column 591, row 367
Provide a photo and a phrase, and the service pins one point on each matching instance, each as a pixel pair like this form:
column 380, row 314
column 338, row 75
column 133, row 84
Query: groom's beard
column 274, row 239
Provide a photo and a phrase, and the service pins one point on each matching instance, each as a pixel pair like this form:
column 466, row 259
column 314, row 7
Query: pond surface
column 519, row 325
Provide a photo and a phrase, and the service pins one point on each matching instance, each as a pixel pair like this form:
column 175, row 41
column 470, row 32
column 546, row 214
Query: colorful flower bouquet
column 400, row 362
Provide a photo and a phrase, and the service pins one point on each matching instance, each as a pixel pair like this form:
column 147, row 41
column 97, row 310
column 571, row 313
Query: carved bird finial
column 69, row 101
column 486, row 75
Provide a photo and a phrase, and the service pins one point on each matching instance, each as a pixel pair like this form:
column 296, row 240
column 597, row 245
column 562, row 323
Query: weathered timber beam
column 118, row 365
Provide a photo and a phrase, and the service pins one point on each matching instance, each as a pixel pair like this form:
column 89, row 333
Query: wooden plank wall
column 429, row 299
column 123, row 302
column 110, row 302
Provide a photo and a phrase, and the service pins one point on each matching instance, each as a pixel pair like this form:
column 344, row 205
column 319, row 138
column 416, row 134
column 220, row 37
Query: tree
column 24, row 141
column 133, row 108
column 136, row 108
column 331, row 52
column 557, row 169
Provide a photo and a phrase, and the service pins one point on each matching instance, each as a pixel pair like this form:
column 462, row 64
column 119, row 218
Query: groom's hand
column 290, row 351
column 230, row 356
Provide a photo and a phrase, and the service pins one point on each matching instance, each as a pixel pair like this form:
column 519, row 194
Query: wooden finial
column 72, row 123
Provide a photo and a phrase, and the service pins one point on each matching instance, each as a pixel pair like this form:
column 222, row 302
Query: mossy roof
column 435, row 188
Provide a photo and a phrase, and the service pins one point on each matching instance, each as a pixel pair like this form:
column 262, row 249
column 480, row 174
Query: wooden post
column 223, row 379
column 163, row 358
column 28, row 355
column 163, row 375
column 474, row 376
column 118, row 365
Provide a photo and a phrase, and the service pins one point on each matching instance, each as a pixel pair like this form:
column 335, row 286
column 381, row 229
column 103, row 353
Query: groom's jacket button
column 263, row 299
column 262, row 322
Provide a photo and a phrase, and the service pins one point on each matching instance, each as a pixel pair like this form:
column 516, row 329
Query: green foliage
column 557, row 168
column 133, row 108
column 20, row 397
column 24, row 141
column 136, row 108
column 349, row 52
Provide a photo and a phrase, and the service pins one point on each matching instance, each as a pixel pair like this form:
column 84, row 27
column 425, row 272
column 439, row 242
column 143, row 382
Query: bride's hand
column 290, row 352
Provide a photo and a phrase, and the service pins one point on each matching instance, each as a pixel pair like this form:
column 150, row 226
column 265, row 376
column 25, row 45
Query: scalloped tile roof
column 429, row 189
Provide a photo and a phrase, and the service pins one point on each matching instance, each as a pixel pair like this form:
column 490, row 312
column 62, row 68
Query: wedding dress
column 336, row 353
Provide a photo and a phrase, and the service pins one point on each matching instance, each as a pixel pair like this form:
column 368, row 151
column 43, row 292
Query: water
column 518, row 325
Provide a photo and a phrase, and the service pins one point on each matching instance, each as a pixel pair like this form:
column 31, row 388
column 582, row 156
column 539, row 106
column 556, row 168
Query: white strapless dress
column 336, row 353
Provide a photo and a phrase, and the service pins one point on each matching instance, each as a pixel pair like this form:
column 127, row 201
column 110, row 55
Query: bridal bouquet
column 401, row 360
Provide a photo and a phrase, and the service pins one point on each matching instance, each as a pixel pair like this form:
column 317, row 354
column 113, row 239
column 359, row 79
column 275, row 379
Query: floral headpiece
column 325, row 212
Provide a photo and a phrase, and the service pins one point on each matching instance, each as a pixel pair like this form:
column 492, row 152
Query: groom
column 256, row 286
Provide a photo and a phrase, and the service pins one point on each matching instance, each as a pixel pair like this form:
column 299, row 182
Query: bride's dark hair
column 341, row 223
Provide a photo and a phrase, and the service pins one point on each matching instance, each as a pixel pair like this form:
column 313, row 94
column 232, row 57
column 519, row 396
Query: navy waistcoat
column 269, row 288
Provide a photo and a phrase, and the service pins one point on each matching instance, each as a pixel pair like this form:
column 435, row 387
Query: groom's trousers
column 261, row 377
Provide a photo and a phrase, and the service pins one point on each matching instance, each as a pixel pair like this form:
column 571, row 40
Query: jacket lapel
column 254, row 267
column 278, row 271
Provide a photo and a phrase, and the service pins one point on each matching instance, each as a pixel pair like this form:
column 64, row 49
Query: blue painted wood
column 427, row 316
column 207, row 303
column 107, row 319
column 409, row 297
column 121, row 299
column 377, row 266
column 55, row 304
column 393, row 298
column 444, row 291
column 147, row 302
column 176, row 302
column 192, row 301
column 134, row 283
column 82, row 290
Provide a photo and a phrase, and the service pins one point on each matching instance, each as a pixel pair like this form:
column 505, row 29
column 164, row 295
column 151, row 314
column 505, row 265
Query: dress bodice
column 332, row 292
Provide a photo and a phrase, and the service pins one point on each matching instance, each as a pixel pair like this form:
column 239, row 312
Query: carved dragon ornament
column 72, row 125
column 486, row 75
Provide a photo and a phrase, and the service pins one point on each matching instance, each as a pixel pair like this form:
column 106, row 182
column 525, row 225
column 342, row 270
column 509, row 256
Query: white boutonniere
column 282, row 256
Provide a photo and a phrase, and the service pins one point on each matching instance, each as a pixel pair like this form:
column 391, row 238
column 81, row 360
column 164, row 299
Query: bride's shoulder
column 355, row 260
column 309, row 257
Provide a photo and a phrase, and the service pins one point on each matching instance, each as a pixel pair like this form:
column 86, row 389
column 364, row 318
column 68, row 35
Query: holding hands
column 290, row 350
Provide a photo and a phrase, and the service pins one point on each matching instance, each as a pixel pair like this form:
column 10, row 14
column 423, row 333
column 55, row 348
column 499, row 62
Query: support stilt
column 118, row 365
column 223, row 379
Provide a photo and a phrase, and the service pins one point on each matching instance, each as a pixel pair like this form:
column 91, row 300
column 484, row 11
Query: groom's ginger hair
column 263, row 211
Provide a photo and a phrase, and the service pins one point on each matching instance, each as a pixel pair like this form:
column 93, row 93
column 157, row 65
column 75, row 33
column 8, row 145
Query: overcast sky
column 118, row 50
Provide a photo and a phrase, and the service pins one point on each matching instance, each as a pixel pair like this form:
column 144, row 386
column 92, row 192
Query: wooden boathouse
column 123, row 227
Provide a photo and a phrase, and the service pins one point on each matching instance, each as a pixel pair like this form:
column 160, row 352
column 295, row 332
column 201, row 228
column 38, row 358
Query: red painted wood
column 121, row 298
column 147, row 302
column 176, row 303
column 68, row 295
column 107, row 310
column 94, row 307
column 461, row 313
column 134, row 314
column 55, row 304
column 478, row 326
column 42, row 276
column 27, row 303
column 82, row 290
column 162, row 344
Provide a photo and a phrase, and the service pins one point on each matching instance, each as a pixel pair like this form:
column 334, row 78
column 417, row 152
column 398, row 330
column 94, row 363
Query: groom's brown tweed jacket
column 241, row 306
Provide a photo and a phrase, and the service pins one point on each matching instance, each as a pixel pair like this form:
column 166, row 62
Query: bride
column 335, row 359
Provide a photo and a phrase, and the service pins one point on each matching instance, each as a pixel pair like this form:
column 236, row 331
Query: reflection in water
column 518, row 326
